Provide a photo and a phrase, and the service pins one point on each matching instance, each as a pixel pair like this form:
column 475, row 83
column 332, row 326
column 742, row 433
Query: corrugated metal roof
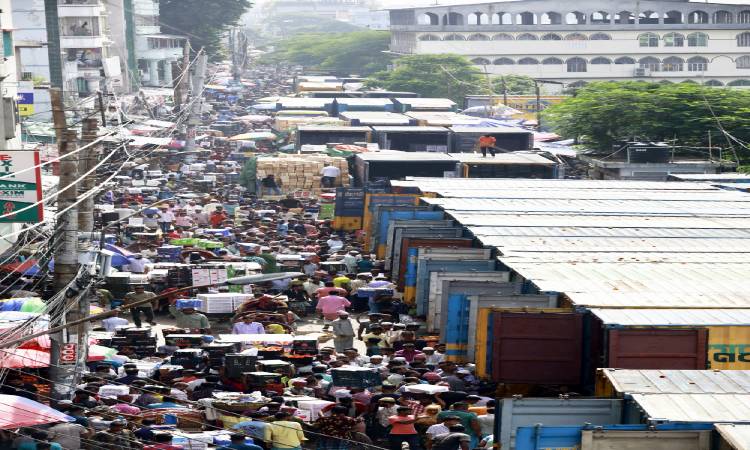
column 624, row 258
column 501, row 158
column 409, row 129
column 673, row 317
column 678, row 381
column 586, row 194
column 711, row 176
column 323, row 128
column 462, row 129
column 427, row 184
column 540, row 244
column 304, row 102
column 393, row 155
column 443, row 118
column 613, row 232
column 419, row 102
column 574, row 220
column 384, row 117
column 736, row 435
column 710, row 408
column 363, row 101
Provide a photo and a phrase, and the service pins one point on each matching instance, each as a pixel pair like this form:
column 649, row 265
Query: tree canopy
column 604, row 112
column 515, row 85
column 290, row 25
column 358, row 52
column 203, row 22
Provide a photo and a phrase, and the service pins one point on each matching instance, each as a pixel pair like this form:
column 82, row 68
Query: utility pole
column 196, row 99
column 88, row 159
column 181, row 85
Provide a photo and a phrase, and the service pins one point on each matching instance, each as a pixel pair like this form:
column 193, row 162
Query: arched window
column 697, row 39
column 428, row 19
column 672, row 64
column 527, row 37
column 480, row 61
column 698, row 17
column 713, row 83
column 743, row 17
column 575, row 18
column 600, row 60
column 576, row 37
column 600, row 37
column 502, row 19
column 648, row 40
column 736, row 83
column 478, row 37
column 552, row 61
column 503, row 62
column 672, row 17
column 743, row 62
column 454, row 37
column 624, row 60
column 624, row 17
column 576, row 64
column 429, row 37
column 697, row 64
column 722, row 16
column 674, row 40
column 648, row 17
column 600, row 17
column 502, row 37
column 453, row 18
column 526, row 18
column 550, row 18
column 743, row 39
column 478, row 18
column 651, row 63
column 552, row 37
column 578, row 84
column 527, row 62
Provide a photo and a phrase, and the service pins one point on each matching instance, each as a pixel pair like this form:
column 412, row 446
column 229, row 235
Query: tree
column 444, row 76
column 202, row 22
column 290, row 25
column 515, row 84
column 360, row 52
column 605, row 112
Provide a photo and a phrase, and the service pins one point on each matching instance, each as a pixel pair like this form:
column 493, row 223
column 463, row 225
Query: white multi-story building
column 587, row 40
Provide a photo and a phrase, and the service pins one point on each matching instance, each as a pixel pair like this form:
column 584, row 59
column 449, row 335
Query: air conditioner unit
column 642, row 72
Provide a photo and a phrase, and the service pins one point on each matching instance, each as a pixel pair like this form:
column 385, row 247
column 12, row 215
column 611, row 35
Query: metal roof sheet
column 323, row 128
column 587, row 194
column 597, row 244
column 427, row 184
column 712, row 176
column 409, row 129
column 443, row 118
column 364, row 101
column 678, row 381
column 483, row 219
column 613, row 232
column 376, row 117
column 393, row 155
column 619, row 257
column 736, row 435
column 304, row 102
column 708, row 408
column 501, row 158
column 419, row 102
column 673, row 317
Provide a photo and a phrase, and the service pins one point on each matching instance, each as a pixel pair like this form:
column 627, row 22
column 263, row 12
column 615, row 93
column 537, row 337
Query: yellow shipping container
column 729, row 347
column 383, row 199
column 343, row 223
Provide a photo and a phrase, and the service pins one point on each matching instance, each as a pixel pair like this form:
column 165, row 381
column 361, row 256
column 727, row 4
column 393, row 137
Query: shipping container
column 413, row 139
column 506, row 165
column 453, row 245
column 733, row 436
column 692, row 408
column 443, row 284
column 350, row 202
column 540, row 437
column 434, row 254
column 375, row 118
column 619, row 382
column 424, row 104
column 394, row 165
column 383, row 216
column 513, row 413
column 342, row 105
column 425, row 266
column 373, row 199
column 322, row 135
column 657, row 348
column 465, row 139
column 400, row 231
column 651, row 440
column 344, row 223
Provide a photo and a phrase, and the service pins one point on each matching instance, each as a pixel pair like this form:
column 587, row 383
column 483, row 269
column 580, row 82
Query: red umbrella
column 18, row 412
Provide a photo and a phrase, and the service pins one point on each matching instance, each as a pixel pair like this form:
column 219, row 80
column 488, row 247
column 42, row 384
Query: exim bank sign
column 20, row 187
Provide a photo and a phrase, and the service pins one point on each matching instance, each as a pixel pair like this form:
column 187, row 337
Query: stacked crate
column 141, row 340
column 301, row 172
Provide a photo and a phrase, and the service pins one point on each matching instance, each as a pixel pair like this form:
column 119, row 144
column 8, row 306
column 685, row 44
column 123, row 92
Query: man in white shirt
column 137, row 263
column 335, row 243
column 166, row 217
column 247, row 326
column 112, row 323
column 330, row 173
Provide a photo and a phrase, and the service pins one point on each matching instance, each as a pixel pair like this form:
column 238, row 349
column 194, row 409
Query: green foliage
column 203, row 22
column 290, row 25
column 515, row 84
column 444, row 76
column 602, row 113
column 360, row 52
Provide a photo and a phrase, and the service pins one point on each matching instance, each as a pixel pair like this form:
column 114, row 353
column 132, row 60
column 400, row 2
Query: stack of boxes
column 301, row 172
column 141, row 340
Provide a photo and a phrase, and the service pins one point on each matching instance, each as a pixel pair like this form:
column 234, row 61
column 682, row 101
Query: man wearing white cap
column 343, row 332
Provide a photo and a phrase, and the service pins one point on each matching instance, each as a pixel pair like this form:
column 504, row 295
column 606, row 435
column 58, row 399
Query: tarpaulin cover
column 17, row 412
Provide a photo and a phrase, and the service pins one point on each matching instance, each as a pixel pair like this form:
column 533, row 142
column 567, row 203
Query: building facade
column 587, row 40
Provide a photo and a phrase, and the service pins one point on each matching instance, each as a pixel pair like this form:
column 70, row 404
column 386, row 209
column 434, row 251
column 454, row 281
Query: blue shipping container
column 568, row 438
column 423, row 275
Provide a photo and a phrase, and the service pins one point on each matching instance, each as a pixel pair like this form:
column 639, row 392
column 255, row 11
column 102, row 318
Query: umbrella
column 17, row 412
column 22, row 358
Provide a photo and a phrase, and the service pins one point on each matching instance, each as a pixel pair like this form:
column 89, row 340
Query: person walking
column 330, row 174
column 343, row 332
column 140, row 293
column 402, row 430
column 487, row 142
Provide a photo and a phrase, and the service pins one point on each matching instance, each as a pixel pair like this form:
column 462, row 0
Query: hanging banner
column 25, row 98
column 18, row 191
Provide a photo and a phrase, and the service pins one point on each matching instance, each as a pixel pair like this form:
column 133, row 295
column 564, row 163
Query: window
column 503, row 62
column 454, row 37
column 576, row 64
column 552, row 37
column 698, row 17
column 8, row 44
column 674, row 40
column 648, row 17
column 648, row 40
column 576, row 37
column 27, row 76
column 624, row 60
column 429, row 37
column 600, row 17
column 600, row 60
column 625, row 17
column 428, row 19
column 743, row 62
column 453, row 19
column 600, row 37
column 550, row 18
column 723, row 17
column 79, row 26
column 736, row 83
column 575, row 18
column 527, row 62
column 743, row 39
column 697, row 39
column 651, row 63
column 478, row 18
column 672, row 17
column 526, row 18
column 480, row 61
column 502, row 37
column 502, row 19
column 478, row 37
column 552, row 61
column 713, row 83
column 743, row 17
column 697, row 64
column 526, row 37
column 672, row 64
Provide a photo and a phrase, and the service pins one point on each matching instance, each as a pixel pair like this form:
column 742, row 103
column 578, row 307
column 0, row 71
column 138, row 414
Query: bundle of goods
column 141, row 340
column 301, row 172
